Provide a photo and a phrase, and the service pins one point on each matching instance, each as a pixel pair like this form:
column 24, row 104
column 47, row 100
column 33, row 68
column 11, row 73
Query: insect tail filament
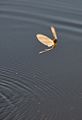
column 45, row 50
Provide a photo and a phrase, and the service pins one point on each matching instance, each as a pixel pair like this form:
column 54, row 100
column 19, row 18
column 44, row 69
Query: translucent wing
column 45, row 40
column 54, row 32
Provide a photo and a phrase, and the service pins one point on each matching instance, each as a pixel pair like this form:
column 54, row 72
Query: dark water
column 47, row 86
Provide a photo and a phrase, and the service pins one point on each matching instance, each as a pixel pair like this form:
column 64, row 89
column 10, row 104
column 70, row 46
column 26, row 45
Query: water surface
column 46, row 86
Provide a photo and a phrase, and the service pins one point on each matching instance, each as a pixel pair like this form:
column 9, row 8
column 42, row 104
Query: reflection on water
column 47, row 86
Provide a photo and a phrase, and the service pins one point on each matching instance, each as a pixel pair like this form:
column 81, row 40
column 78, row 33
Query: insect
column 48, row 41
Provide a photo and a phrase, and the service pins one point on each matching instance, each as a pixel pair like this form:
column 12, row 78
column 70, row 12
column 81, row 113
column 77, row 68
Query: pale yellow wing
column 53, row 30
column 45, row 40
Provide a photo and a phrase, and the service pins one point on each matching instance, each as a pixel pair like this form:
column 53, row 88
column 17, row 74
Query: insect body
column 47, row 41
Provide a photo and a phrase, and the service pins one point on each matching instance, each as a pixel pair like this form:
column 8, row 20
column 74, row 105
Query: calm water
column 46, row 86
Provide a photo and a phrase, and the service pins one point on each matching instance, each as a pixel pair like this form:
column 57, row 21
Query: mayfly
column 48, row 41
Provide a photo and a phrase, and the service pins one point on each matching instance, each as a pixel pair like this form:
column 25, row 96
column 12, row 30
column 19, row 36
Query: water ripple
column 34, row 94
column 25, row 16
column 35, row 88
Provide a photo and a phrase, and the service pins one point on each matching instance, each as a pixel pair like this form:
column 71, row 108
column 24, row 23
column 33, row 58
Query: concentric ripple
column 26, row 95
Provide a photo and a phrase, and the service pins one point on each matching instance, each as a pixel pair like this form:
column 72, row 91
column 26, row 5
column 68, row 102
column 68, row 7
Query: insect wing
column 54, row 32
column 45, row 40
